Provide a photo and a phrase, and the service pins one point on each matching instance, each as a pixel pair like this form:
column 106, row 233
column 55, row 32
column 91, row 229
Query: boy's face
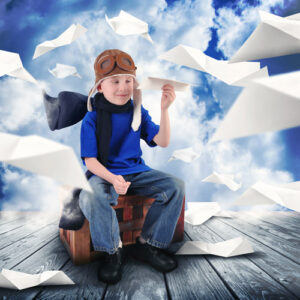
column 117, row 89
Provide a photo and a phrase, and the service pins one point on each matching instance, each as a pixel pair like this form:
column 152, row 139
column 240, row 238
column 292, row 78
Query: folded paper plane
column 11, row 64
column 274, row 36
column 66, row 38
column 62, row 71
column 239, row 74
column 10, row 279
column 126, row 24
column 267, row 104
column 226, row 179
column 187, row 155
column 287, row 195
column 43, row 157
column 156, row 84
column 229, row 248
column 199, row 212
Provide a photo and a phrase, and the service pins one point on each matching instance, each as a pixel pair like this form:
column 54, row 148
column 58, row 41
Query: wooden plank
column 290, row 225
column 240, row 274
column 28, row 228
column 86, row 285
column 51, row 257
column 280, row 241
column 13, row 254
column 280, row 268
column 139, row 281
column 195, row 278
column 281, row 224
column 8, row 216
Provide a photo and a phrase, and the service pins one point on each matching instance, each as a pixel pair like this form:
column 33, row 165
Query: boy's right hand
column 120, row 185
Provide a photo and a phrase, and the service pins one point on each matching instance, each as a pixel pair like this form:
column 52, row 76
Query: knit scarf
column 104, row 109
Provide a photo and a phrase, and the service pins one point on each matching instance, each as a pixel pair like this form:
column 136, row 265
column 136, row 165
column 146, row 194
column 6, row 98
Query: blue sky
column 207, row 25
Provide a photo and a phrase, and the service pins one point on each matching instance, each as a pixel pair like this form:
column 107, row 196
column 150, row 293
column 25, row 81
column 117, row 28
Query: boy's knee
column 179, row 185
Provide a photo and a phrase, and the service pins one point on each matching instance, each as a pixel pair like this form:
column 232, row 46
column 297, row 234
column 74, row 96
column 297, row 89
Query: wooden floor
column 29, row 242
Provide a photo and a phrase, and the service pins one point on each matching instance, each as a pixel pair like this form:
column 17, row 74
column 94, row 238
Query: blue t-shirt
column 124, row 150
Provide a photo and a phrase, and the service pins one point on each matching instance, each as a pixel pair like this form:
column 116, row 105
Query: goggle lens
column 107, row 63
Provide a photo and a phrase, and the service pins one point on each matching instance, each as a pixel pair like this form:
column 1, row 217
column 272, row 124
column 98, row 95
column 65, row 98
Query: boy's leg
column 102, row 217
column 104, row 227
column 163, row 215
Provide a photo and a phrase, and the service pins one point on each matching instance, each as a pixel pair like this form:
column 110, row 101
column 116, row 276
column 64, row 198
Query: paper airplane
column 239, row 74
column 126, row 24
column 156, row 84
column 66, row 38
column 267, row 104
column 199, row 212
column 43, row 157
column 226, row 179
column 229, row 248
column 11, row 64
column 62, row 71
column 274, row 36
column 10, row 279
column 287, row 195
column 187, row 155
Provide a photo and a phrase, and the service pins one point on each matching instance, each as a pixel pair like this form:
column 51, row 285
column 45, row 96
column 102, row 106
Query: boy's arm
column 98, row 169
column 162, row 138
column 168, row 96
column 119, row 183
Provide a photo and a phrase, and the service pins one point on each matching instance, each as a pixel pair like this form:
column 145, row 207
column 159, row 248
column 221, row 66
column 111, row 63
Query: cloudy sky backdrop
column 217, row 27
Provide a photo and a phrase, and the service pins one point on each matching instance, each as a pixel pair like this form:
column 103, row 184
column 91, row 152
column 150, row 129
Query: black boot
column 154, row 256
column 110, row 271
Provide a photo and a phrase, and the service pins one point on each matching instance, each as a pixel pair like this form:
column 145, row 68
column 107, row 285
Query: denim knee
column 178, row 185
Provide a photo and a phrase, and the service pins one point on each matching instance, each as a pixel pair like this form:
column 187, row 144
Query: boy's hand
column 120, row 185
column 168, row 96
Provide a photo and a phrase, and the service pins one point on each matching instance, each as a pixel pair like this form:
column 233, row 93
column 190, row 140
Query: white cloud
column 233, row 29
column 20, row 104
column 29, row 192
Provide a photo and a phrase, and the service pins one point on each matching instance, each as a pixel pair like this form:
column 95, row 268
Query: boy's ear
column 99, row 88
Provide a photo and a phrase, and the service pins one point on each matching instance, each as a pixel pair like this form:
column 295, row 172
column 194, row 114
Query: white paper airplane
column 226, row 179
column 274, row 36
column 66, row 38
column 229, row 248
column 10, row 279
column 43, row 157
column 267, row 104
column 239, row 74
column 11, row 64
column 126, row 24
column 62, row 71
column 187, row 155
column 199, row 212
column 155, row 83
column 287, row 195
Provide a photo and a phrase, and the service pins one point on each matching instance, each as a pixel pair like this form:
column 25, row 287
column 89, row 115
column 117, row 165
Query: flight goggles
column 107, row 63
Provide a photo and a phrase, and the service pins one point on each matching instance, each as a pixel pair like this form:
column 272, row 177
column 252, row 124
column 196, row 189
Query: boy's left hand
column 168, row 96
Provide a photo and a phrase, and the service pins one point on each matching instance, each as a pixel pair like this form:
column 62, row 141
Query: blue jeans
column 161, row 219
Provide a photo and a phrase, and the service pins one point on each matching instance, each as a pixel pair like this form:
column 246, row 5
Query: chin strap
column 137, row 112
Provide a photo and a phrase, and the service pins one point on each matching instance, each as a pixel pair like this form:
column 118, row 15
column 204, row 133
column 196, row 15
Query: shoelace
column 114, row 258
column 156, row 251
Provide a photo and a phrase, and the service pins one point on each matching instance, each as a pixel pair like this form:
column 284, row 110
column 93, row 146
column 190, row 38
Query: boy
column 110, row 147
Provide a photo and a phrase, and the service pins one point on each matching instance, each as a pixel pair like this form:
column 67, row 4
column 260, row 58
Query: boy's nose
column 122, row 87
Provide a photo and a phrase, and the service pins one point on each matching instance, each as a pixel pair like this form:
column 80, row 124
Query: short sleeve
column 88, row 140
column 148, row 128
